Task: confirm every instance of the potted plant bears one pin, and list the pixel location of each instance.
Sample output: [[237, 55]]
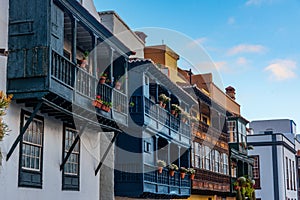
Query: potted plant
[[98, 102], [175, 110], [106, 106], [103, 78], [172, 168], [160, 165], [163, 100], [84, 61], [183, 171], [191, 172], [131, 104]]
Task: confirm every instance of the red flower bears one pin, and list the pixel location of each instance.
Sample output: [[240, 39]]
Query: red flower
[[98, 97]]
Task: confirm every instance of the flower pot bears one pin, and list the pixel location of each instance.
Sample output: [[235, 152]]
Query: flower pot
[[173, 112], [83, 63], [161, 103], [192, 176], [118, 85], [182, 175], [160, 169], [171, 172], [97, 104], [164, 105], [102, 79], [105, 108]]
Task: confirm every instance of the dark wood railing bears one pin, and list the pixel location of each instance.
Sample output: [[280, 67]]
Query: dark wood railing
[[163, 117], [151, 175], [86, 84]]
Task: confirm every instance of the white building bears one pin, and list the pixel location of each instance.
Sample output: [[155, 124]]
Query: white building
[[33, 169], [275, 163]]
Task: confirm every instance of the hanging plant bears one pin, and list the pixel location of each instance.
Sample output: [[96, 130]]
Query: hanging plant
[[4, 103]]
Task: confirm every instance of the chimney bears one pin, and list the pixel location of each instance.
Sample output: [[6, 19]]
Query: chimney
[[230, 91], [141, 35]]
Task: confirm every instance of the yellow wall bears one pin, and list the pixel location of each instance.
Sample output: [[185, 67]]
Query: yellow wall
[[203, 197]]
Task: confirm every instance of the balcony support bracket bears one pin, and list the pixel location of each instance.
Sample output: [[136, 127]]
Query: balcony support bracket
[[106, 152], [23, 130]]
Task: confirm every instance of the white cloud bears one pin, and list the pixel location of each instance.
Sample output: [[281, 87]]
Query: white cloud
[[246, 48], [222, 66], [282, 69], [241, 61], [231, 20], [258, 2]]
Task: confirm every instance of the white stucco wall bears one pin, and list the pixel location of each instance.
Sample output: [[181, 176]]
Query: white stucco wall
[[3, 41], [112, 22], [90, 6], [52, 158]]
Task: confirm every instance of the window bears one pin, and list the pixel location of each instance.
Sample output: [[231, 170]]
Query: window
[[287, 173], [233, 170], [217, 161], [197, 154], [256, 171], [193, 154], [31, 152], [205, 119], [225, 163], [71, 168], [232, 131], [207, 155], [147, 147], [291, 175], [212, 160], [294, 176]]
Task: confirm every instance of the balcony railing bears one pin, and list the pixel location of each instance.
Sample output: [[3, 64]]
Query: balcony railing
[[178, 184], [87, 85], [164, 121]]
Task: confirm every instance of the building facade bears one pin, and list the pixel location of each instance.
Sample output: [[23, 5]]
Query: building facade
[[59, 134], [274, 158]]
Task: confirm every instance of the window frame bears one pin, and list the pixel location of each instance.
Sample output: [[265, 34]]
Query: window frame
[[28, 177], [69, 177]]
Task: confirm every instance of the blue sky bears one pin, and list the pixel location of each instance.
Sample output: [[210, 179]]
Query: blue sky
[[255, 45]]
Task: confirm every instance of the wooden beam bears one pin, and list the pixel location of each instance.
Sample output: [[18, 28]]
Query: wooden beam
[[106, 152], [23, 130]]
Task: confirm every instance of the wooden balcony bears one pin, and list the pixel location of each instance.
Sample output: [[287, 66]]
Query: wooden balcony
[[210, 181], [159, 119], [151, 184], [65, 89]]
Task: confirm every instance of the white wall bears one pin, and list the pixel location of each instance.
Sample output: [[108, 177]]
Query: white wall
[[112, 22], [52, 153], [266, 167], [3, 41]]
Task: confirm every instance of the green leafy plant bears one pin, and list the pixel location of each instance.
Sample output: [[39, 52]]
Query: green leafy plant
[[173, 167], [161, 163], [245, 188], [103, 74], [131, 104], [4, 103], [191, 171], [85, 55], [164, 98], [183, 170]]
